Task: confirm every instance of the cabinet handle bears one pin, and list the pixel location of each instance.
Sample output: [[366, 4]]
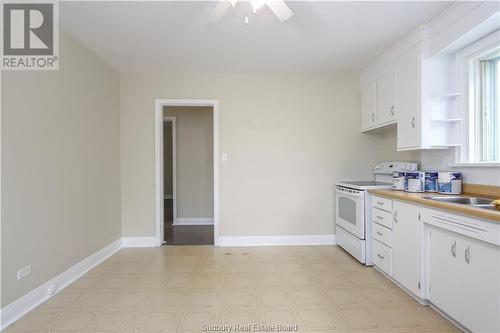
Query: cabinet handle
[[454, 249], [373, 117], [380, 256], [396, 217], [467, 254], [392, 110], [413, 122], [379, 233], [380, 217], [380, 203]]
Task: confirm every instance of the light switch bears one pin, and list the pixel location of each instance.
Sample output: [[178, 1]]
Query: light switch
[[224, 157]]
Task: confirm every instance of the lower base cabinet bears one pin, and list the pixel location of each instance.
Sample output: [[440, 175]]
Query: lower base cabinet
[[405, 245], [464, 276], [444, 271], [481, 286]]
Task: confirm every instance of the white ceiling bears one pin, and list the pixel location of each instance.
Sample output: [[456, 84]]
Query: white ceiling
[[176, 36]]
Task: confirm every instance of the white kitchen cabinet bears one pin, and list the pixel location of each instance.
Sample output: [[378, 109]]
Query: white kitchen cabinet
[[464, 277], [386, 97], [413, 91], [368, 105], [405, 245], [444, 271], [408, 101], [480, 285]]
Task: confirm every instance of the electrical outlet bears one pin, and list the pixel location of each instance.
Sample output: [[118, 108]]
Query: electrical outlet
[[23, 272]]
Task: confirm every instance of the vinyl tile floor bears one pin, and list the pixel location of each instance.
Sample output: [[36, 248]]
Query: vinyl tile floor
[[183, 288]]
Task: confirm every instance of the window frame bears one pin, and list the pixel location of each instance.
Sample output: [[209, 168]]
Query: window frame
[[468, 77]]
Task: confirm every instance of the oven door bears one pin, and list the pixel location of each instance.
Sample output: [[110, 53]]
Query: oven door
[[350, 210]]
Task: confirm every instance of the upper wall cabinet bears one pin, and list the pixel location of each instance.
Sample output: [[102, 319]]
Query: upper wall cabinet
[[368, 104], [413, 83], [408, 100], [378, 101], [407, 92], [386, 97]]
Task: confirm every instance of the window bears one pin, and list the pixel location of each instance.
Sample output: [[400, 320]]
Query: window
[[481, 142], [487, 127]]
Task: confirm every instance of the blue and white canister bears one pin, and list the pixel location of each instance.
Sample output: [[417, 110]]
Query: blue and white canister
[[415, 181], [431, 181], [398, 180], [449, 182]]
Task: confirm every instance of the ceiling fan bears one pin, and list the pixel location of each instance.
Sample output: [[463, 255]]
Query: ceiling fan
[[278, 7]]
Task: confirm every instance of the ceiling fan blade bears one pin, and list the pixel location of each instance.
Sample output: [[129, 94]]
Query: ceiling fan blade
[[219, 11], [280, 9]]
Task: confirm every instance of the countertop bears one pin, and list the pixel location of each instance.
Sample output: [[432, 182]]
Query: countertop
[[419, 198]]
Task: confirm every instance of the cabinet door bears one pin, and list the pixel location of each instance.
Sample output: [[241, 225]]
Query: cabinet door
[[386, 97], [444, 271], [405, 245], [480, 286], [368, 105], [408, 100]]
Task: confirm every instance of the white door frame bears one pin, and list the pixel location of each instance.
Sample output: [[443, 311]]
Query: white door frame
[[174, 169], [159, 104]]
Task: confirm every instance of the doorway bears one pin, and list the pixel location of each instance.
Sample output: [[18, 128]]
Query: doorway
[[187, 172], [188, 175]]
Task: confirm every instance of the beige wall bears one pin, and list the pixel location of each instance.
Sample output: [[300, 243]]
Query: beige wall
[[194, 132], [60, 166], [167, 158], [387, 147], [289, 139]]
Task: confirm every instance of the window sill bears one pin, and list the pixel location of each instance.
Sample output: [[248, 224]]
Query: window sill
[[476, 165]]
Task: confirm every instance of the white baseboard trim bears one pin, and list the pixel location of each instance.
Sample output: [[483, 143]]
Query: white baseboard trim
[[15, 310], [139, 242], [194, 221], [328, 239]]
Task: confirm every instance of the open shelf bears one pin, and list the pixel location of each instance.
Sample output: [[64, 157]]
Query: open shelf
[[445, 146], [447, 95], [450, 120]]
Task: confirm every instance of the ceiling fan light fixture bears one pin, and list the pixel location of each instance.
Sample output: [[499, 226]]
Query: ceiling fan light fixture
[[278, 7]]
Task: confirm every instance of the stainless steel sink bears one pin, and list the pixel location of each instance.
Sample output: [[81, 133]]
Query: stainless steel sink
[[492, 207], [463, 200], [478, 202]]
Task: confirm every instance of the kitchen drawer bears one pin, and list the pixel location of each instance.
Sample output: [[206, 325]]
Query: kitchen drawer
[[382, 217], [471, 227], [382, 257], [382, 234], [382, 203]]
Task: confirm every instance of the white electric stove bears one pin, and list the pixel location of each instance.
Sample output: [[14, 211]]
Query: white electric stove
[[352, 213]]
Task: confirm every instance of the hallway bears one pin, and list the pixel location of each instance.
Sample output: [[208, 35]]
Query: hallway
[[185, 234]]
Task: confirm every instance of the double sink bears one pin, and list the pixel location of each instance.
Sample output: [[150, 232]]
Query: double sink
[[471, 201]]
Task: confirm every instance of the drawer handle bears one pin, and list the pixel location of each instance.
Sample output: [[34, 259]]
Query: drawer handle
[[380, 217], [379, 233], [380, 203], [454, 249], [380, 256]]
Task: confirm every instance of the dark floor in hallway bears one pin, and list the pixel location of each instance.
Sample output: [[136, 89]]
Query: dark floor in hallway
[[185, 234]]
